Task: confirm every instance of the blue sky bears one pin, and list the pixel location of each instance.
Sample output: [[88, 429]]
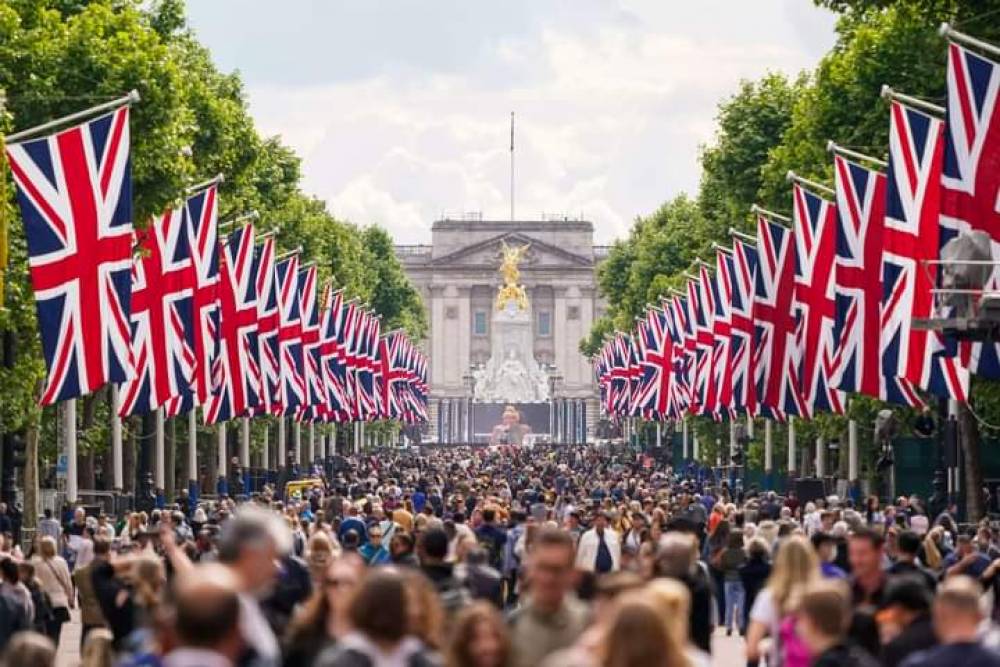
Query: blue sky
[[401, 109]]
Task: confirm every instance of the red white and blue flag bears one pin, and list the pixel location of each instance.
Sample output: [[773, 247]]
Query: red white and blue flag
[[722, 296], [332, 358], [860, 195], [269, 380], [910, 238], [775, 347], [293, 384], [315, 396], [815, 234], [236, 371], [701, 306], [161, 318], [74, 189], [970, 196], [742, 328]]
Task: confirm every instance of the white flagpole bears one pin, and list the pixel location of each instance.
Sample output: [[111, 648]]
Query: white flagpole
[[69, 433], [852, 451], [129, 99], [791, 448], [222, 451], [312, 443], [297, 438], [282, 453], [768, 448], [265, 451], [245, 442], [192, 449], [159, 453], [116, 442]]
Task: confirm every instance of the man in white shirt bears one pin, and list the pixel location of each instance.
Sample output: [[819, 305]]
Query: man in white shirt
[[599, 549]]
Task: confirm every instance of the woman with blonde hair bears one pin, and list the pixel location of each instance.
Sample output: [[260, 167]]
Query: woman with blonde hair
[[53, 577], [639, 635], [320, 553], [932, 556], [673, 600], [795, 566], [479, 638]]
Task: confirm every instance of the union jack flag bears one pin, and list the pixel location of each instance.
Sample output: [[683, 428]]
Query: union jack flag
[[620, 375], [970, 198], [910, 238], [684, 351], [815, 221], [236, 369], [293, 384], [331, 356], [775, 349], [201, 213], [348, 355], [858, 286], [315, 397], [269, 382], [722, 296], [74, 189], [161, 318], [392, 374], [701, 305], [657, 394], [742, 329], [366, 388]]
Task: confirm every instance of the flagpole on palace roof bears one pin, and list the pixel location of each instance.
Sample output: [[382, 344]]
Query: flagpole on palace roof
[[131, 98], [929, 107], [792, 177], [948, 32], [837, 149]]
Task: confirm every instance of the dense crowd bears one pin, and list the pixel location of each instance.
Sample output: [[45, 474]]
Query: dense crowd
[[507, 557]]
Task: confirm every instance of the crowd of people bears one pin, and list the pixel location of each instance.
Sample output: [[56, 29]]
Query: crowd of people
[[507, 557]]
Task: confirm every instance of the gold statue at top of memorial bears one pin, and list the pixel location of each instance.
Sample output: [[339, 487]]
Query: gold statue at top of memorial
[[511, 291]]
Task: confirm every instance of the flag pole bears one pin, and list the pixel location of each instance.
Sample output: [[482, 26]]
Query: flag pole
[[760, 210], [742, 236], [792, 177], [131, 98], [837, 149], [928, 107], [204, 185], [948, 32], [239, 217]]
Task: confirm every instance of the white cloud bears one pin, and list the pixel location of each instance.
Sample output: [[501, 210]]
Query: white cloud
[[609, 116]]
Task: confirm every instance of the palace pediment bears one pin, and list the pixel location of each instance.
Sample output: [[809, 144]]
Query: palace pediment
[[488, 252]]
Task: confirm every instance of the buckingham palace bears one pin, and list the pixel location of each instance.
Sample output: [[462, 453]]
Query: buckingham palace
[[457, 276]]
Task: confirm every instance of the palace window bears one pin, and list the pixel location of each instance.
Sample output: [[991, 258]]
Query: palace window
[[544, 323], [479, 323]]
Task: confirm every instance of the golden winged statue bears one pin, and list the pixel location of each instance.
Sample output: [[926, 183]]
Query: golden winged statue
[[512, 291]]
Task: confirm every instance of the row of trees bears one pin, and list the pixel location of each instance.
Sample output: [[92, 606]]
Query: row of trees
[[59, 56], [775, 124]]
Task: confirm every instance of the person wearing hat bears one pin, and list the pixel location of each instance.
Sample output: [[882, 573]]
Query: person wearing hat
[[600, 549], [906, 607]]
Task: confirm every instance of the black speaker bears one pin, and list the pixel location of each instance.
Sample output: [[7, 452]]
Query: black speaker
[[809, 489]]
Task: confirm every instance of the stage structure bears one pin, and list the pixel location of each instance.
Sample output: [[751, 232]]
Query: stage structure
[[508, 304]]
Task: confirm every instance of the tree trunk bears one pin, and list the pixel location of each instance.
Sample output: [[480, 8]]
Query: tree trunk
[[969, 443], [32, 506]]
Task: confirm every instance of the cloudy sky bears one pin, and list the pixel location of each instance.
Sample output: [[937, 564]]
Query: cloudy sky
[[400, 109]]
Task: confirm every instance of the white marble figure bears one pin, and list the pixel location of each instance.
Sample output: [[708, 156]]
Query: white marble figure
[[511, 375]]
